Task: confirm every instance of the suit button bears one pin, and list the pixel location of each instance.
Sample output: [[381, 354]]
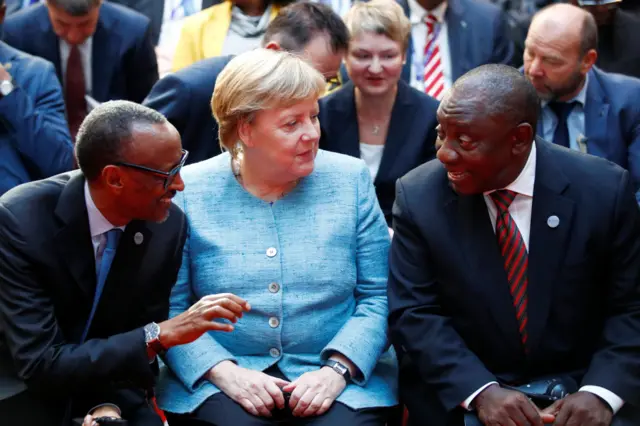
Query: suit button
[[274, 322], [274, 287], [271, 251], [274, 352]]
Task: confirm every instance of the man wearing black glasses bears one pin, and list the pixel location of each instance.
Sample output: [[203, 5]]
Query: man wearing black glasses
[[87, 263]]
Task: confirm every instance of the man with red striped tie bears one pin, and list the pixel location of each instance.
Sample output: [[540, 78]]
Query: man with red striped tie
[[514, 272], [450, 37]]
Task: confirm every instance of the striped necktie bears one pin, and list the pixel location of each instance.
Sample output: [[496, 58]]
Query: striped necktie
[[514, 253], [433, 71]]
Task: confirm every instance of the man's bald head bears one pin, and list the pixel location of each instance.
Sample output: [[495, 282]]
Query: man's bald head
[[559, 21], [560, 50], [496, 91]]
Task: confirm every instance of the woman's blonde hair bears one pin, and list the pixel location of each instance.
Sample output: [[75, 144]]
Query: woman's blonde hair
[[384, 17], [256, 80]]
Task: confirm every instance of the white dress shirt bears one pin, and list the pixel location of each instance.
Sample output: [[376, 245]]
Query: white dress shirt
[[85, 53], [98, 225], [520, 211], [372, 156], [419, 40]]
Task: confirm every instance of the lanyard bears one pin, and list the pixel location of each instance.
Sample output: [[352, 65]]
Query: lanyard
[[420, 65]]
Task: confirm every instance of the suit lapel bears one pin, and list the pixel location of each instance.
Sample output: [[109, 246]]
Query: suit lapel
[[50, 42], [547, 245], [345, 120], [457, 37], [596, 112], [103, 57], [482, 254], [400, 130], [74, 238]]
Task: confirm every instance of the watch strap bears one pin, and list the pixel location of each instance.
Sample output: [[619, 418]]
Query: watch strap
[[339, 368]]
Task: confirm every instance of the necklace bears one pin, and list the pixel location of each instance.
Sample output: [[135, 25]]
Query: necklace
[[375, 130]]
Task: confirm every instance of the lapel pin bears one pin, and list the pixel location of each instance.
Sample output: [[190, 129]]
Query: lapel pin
[[553, 221], [138, 238]]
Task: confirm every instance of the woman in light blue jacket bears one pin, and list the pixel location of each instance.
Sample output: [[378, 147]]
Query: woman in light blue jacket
[[298, 233]]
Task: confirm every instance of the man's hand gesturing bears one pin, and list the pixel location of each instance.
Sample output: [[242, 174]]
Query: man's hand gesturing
[[199, 318]]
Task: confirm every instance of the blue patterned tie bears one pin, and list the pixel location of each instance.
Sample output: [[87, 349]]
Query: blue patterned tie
[[562, 111], [108, 254]]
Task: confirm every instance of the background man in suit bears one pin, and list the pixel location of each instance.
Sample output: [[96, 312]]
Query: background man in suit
[[583, 108], [34, 139], [101, 50], [312, 30], [87, 263], [451, 37], [513, 260], [167, 18], [618, 47]]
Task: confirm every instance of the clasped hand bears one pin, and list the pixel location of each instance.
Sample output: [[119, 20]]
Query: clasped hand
[[312, 394], [502, 407]]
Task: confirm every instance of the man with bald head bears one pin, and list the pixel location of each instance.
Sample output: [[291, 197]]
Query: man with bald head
[[583, 107], [513, 261]]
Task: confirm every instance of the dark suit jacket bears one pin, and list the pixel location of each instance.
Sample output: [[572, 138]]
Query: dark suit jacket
[[47, 285], [184, 98], [410, 139], [124, 64], [618, 46], [612, 120], [34, 137], [478, 35], [154, 10], [451, 314]]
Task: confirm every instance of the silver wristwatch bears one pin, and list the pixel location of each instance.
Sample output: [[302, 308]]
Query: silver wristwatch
[[6, 87]]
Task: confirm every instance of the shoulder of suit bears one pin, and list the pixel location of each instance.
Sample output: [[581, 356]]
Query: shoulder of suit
[[203, 71], [212, 169], [23, 59], [616, 81], [430, 178], [22, 198], [480, 10], [23, 19], [335, 163], [116, 14]]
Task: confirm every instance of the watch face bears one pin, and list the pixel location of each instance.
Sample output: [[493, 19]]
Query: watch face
[[151, 331], [6, 87], [340, 368]]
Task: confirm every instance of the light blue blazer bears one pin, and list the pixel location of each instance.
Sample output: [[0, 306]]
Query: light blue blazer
[[313, 266]]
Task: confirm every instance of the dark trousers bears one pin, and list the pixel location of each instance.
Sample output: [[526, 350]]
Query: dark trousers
[[21, 410], [28, 409], [220, 410]]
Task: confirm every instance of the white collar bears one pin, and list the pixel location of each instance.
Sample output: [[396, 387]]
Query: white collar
[[417, 13], [523, 185], [98, 224]]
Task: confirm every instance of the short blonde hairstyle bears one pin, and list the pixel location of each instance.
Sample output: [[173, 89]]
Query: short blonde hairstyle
[[256, 80], [384, 17]]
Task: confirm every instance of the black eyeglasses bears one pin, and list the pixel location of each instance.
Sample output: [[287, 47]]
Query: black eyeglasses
[[169, 176]]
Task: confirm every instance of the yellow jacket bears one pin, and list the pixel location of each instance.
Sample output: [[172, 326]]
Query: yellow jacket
[[203, 34]]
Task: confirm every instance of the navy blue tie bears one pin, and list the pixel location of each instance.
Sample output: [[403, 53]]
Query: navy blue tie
[[108, 254], [562, 111]]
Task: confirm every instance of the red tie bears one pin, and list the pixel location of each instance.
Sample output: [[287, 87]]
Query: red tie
[[74, 91], [433, 74], [514, 253]]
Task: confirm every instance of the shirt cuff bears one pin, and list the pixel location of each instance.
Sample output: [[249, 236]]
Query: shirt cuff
[[614, 401], [466, 404]]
